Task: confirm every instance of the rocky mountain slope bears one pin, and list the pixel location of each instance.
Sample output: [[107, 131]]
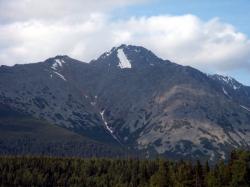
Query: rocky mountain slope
[[22, 134], [131, 98]]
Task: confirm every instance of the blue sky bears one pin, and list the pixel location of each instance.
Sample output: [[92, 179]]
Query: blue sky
[[210, 35], [236, 12]]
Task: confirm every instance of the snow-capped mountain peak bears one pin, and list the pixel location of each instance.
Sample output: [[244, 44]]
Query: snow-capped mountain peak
[[129, 56], [56, 66], [228, 81]]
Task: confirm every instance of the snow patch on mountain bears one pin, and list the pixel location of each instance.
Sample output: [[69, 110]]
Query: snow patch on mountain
[[245, 108], [107, 54], [57, 63], [107, 127], [123, 60], [229, 81], [105, 122], [224, 91], [60, 75], [226, 79]]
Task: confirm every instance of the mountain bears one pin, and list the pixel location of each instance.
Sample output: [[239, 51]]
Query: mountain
[[22, 134], [132, 99]]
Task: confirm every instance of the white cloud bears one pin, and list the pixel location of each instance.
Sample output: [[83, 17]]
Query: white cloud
[[24, 42], [70, 28], [190, 41], [23, 10]]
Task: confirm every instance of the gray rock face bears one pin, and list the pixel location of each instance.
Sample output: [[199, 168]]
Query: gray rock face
[[132, 98]]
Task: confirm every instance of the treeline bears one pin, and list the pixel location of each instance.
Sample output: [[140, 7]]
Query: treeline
[[45, 171], [84, 149]]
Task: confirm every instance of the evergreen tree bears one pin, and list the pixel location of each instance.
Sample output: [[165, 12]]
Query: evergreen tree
[[198, 174], [160, 178]]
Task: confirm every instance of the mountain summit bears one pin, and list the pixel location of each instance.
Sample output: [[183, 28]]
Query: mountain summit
[[131, 99], [128, 56]]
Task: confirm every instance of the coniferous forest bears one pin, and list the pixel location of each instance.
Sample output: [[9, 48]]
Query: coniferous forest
[[48, 171]]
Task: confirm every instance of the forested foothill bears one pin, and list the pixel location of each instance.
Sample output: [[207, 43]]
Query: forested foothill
[[97, 172]]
